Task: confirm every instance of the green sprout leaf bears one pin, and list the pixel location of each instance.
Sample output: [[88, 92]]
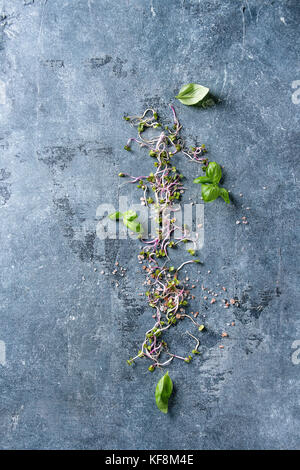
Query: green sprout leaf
[[210, 192], [202, 179], [133, 225], [192, 94], [210, 187], [129, 220], [130, 215], [115, 216], [224, 194], [214, 172], [163, 392]]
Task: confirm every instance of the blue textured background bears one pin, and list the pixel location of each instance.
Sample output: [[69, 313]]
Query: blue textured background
[[69, 71]]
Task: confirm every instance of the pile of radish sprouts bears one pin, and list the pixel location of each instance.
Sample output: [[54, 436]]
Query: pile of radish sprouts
[[162, 189]]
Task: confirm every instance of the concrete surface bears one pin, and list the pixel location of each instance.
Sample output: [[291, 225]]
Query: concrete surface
[[69, 71]]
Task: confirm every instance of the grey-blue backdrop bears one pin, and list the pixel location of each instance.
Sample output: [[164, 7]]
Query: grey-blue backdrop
[[69, 71]]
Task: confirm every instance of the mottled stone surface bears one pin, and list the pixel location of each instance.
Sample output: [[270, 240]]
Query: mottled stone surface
[[69, 71]]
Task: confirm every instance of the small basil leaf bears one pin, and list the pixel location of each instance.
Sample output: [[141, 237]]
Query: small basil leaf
[[162, 405], [115, 216], [130, 215], [133, 225], [192, 94], [210, 192], [163, 392], [184, 90], [214, 172], [202, 179], [224, 194]]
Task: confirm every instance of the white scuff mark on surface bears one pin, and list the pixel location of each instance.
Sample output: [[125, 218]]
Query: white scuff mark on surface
[[258, 12], [283, 20], [90, 3], [152, 11], [244, 29], [225, 78], [11, 32], [2, 92], [38, 72], [15, 418], [41, 22], [2, 353], [249, 9]]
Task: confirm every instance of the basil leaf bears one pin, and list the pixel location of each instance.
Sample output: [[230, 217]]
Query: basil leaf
[[192, 94], [163, 392], [214, 172], [210, 192], [133, 225], [115, 216], [184, 90], [224, 194], [130, 215], [202, 179]]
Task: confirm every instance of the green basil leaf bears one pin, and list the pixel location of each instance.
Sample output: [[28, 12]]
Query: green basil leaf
[[163, 392], [192, 94], [210, 192], [214, 172], [202, 179], [115, 216], [133, 225], [130, 215], [224, 194], [184, 90]]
